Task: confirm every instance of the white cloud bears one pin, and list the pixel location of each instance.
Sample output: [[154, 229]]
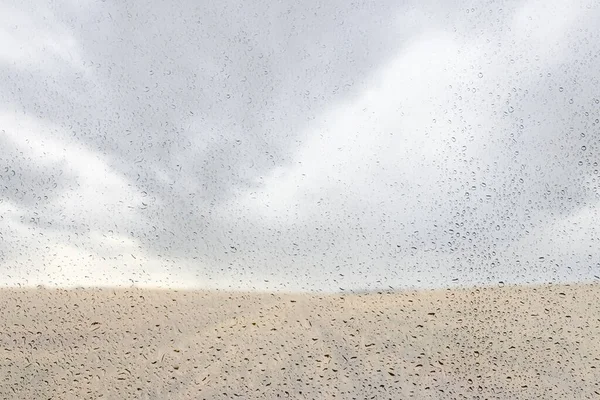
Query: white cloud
[[453, 156]]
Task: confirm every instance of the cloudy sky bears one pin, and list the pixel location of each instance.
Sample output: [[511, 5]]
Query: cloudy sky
[[299, 146]]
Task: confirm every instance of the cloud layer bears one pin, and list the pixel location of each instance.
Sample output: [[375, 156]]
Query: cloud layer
[[321, 146]]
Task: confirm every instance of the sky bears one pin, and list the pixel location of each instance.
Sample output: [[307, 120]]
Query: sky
[[312, 146]]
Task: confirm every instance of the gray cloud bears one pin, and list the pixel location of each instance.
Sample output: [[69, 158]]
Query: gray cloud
[[323, 146]]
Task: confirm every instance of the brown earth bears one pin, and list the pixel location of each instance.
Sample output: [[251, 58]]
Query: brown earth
[[481, 343]]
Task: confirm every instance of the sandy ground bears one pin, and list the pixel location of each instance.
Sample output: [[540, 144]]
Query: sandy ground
[[487, 343]]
